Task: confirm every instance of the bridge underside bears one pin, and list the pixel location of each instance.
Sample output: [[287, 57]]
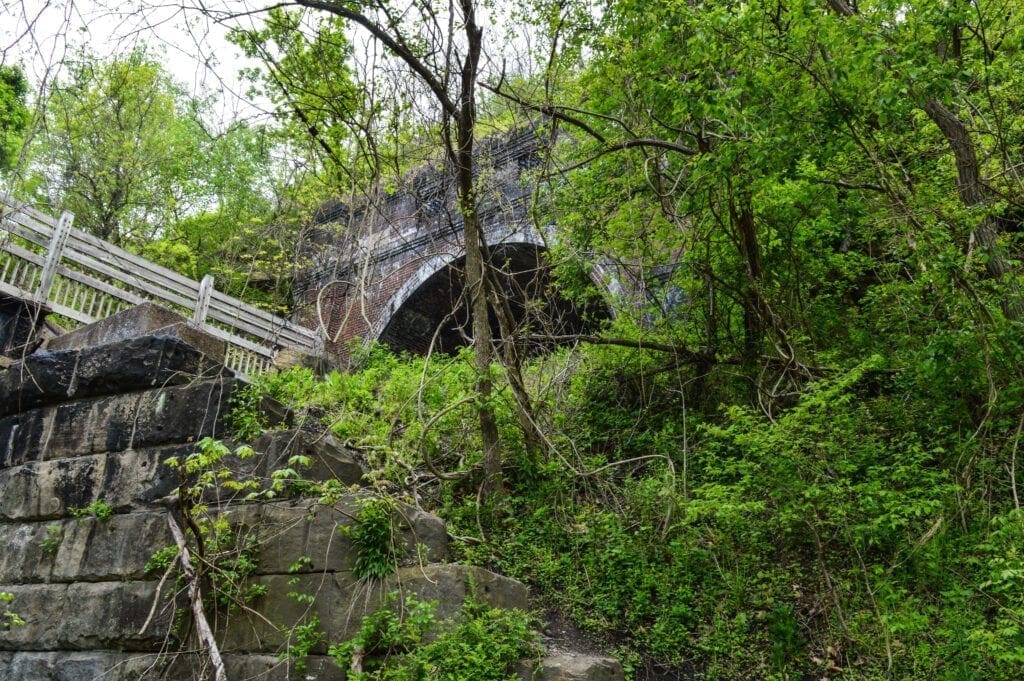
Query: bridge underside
[[437, 313]]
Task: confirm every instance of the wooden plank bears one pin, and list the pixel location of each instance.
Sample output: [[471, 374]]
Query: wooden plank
[[25, 254], [14, 291], [234, 306], [54, 253], [203, 299], [223, 314], [149, 292], [70, 313], [14, 204], [230, 309], [83, 278], [240, 342], [140, 279], [264, 335], [89, 244], [18, 226]]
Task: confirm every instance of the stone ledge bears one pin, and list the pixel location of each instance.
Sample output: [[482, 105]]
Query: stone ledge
[[145, 319], [90, 550], [341, 601], [126, 481], [88, 616], [54, 377], [103, 665], [572, 667], [150, 418], [329, 460]]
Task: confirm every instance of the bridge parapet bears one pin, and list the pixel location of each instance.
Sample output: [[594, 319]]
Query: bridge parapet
[[82, 278]]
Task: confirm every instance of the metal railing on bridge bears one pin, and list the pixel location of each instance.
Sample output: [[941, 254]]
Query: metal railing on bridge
[[83, 278]]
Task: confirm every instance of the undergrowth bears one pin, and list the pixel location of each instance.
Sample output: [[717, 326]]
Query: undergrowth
[[842, 535], [484, 644]]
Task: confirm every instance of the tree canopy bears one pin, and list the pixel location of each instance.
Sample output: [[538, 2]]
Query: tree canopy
[[14, 114]]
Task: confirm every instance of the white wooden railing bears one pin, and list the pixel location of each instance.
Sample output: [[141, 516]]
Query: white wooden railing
[[85, 279]]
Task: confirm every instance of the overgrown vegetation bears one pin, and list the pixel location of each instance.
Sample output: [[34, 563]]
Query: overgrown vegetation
[[837, 534], [99, 509], [484, 645], [373, 536], [794, 452]]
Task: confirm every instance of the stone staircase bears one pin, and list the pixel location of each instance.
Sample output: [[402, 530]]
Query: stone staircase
[[93, 419]]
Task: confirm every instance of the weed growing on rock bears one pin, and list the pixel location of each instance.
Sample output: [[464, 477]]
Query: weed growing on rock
[[98, 509], [374, 538], [51, 542], [9, 619]]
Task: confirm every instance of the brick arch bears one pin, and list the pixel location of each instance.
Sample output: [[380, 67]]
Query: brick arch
[[437, 263]]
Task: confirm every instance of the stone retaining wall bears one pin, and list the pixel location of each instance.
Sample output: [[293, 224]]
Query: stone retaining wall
[[95, 425]]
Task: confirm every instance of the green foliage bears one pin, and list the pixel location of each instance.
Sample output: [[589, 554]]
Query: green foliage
[[9, 619], [120, 146], [483, 645], [306, 73], [233, 557], [245, 417], [14, 114], [162, 559], [98, 509], [301, 640], [206, 469], [51, 542], [374, 537], [383, 409]]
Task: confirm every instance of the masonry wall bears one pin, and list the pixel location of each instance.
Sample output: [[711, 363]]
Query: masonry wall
[[96, 424], [361, 257]]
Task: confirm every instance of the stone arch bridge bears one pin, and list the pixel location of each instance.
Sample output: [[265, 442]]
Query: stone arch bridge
[[390, 269]]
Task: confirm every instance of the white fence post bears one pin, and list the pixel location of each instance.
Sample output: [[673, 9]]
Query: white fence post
[[58, 240], [203, 300]]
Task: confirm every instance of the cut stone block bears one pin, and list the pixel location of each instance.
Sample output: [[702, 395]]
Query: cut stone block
[[53, 377], [340, 601], [81, 549], [126, 481], [329, 460], [145, 319], [87, 616], [287, 531], [168, 415], [81, 666], [452, 584], [103, 665]]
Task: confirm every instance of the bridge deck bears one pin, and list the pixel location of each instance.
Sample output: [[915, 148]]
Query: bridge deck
[[84, 279]]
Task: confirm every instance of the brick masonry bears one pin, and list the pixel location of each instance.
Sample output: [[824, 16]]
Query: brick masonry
[[390, 270]]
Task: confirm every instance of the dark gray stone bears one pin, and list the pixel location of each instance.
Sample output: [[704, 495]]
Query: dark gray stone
[[135, 364], [126, 481], [137, 321], [81, 666], [328, 459], [151, 418], [452, 584], [287, 531], [88, 616], [83, 549]]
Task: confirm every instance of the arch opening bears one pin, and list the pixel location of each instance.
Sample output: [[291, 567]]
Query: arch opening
[[437, 310]]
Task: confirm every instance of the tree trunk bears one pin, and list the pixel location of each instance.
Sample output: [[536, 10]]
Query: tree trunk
[[972, 193], [475, 244]]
